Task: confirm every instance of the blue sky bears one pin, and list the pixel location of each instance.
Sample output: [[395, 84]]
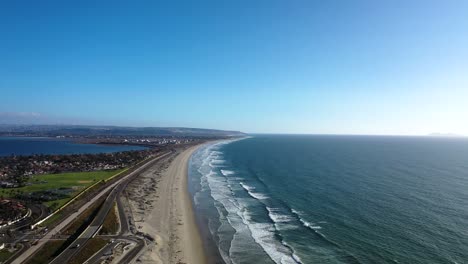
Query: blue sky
[[346, 67]]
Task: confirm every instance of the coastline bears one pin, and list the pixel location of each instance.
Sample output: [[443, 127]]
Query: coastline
[[162, 208], [192, 240], [202, 216]]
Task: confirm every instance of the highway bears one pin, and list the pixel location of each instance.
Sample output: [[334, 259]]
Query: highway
[[113, 189], [96, 258], [125, 235], [90, 231], [98, 220]]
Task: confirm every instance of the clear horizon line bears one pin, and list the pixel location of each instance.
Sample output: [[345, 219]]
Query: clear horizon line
[[434, 134], [363, 134]]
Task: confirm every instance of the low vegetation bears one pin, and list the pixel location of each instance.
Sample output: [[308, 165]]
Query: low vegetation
[[53, 248], [48, 252], [80, 223], [89, 249], [5, 254], [111, 223]]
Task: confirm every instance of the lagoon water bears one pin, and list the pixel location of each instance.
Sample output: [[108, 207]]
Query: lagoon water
[[35, 145], [334, 199]]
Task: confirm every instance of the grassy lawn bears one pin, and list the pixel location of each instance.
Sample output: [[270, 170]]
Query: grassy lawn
[[74, 180], [53, 219]]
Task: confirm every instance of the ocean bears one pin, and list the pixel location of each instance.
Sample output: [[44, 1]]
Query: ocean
[[333, 199], [35, 145]]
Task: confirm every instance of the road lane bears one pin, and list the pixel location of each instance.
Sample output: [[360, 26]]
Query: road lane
[[56, 230]]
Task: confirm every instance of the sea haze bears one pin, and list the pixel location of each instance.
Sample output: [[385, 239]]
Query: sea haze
[[334, 199], [35, 145]]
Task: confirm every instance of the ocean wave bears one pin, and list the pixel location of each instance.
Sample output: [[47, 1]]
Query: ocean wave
[[293, 254], [305, 223], [240, 234], [339, 251], [310, 225], [238, 218], [277, 217], [196, 198], [233, 212], [264, 235], [255, 195], [222, 195], [217, 163], [227, 172], [296, 258]]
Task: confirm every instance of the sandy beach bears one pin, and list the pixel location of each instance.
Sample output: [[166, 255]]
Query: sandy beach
[[162, 209]]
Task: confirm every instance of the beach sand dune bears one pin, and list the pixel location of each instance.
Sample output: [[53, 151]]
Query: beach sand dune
[[162, 209]]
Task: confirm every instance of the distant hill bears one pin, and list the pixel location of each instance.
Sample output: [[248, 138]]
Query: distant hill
[[80, 130]]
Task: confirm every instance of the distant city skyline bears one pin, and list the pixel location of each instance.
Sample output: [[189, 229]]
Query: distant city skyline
[[305, 67]]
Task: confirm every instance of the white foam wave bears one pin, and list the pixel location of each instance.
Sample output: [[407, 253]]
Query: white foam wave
[[310, 225], [247, 187], [227, 172], [196, 198], [297, 258], [255, 195], [217, 162], [280, 220], [277, 217], [306, 223], [263, 234], [294, 255], [234, 211]]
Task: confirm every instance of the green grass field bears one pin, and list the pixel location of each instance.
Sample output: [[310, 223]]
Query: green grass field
[[75, 180]]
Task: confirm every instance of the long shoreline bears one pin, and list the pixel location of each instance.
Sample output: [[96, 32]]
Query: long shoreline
[[163, 209], [193, 241]]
